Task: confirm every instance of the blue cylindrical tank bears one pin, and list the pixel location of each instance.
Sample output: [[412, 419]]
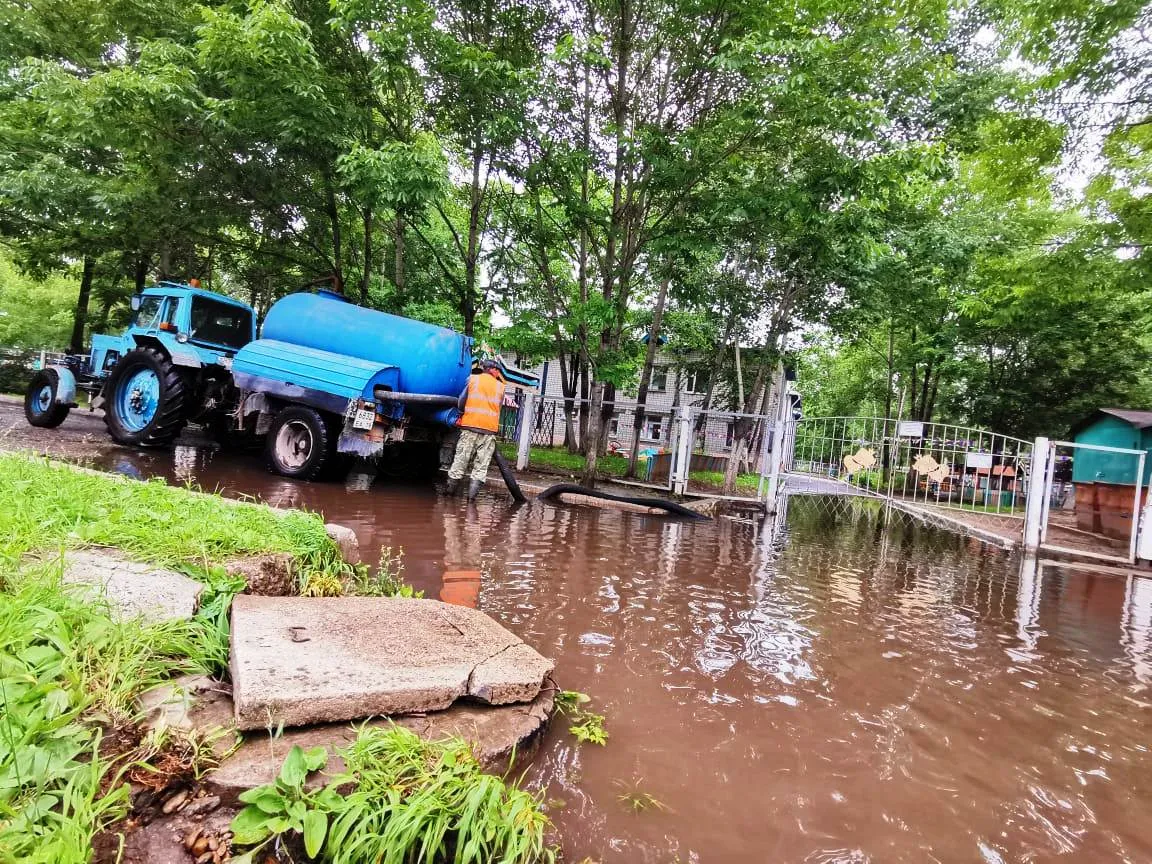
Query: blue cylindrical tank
[[431, 359]]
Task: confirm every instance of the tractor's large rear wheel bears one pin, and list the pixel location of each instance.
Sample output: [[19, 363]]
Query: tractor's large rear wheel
[[145, 400]]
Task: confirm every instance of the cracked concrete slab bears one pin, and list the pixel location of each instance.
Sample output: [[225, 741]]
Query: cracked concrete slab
[[502, 738], [306, 660], [133, 589]]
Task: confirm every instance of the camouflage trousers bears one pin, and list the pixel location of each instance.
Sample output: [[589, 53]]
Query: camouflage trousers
[[474, 447]]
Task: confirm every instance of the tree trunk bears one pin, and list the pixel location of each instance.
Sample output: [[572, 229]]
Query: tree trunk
[[585, 395], [366, 276], [757, 444], [922, 411], [472, 255], [714, 372], [885, 446], [568, 374], [80, 316], [646, 374], [741, 427], [618, 245], [337, 241], [140, 274], [606, 412], [931, 407], [592, 433], [398, 275]]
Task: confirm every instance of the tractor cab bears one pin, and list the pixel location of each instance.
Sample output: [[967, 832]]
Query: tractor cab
[[192, 326], [170, 366]]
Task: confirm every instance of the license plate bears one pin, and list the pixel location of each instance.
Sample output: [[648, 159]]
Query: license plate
[[364, 419]]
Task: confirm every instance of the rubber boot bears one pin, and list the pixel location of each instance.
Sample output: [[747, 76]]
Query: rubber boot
[[453, 485], [474, 489]]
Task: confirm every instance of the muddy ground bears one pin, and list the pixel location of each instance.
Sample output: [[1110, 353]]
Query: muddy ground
[[82, 436]]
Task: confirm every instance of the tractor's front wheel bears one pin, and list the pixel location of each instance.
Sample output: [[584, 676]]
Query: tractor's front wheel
[[299, 444], [40, 406], [145, 400]]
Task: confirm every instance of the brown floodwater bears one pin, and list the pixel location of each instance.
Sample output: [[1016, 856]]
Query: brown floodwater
[[828, 686]]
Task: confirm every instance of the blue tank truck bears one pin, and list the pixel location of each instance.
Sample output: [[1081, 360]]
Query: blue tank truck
[[326, 377]]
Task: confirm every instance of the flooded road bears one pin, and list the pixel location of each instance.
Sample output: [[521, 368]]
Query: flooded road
[[828, 688]]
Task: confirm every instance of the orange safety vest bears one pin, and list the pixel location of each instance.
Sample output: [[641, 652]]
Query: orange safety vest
[[482, 404]]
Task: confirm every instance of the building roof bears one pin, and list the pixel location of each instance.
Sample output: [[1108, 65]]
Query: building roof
[[1139, 419]]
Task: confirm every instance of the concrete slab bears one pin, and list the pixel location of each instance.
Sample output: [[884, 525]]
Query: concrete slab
[[502, 737], [133, 589], [306, 660]]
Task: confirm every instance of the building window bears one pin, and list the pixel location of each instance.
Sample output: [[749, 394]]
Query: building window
[[659, 379], [729, 435], [613, 427], [697, 381], [653, 430]]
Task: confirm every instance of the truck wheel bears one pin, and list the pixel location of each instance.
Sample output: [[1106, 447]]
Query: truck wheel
[[40, 406], [299, 444], [145, 400]]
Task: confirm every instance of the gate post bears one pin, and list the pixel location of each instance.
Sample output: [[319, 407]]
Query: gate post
[[777, 455], [524, 439], [682, 456], [1037, 490]]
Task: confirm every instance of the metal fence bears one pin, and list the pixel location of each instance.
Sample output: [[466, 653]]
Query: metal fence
[[983, 484], [675, 448]]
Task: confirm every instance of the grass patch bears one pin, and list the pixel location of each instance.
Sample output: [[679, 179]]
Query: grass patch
[[48, 505], [744, 482], [559, 460], [400, 799]]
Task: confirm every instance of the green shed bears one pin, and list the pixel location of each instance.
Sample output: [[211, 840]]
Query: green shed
[[1104, 481]]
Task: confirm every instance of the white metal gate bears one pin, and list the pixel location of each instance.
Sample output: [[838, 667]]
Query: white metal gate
[[1101, 519], [971, 479]]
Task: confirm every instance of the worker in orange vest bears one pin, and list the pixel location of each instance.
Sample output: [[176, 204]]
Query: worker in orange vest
[[479, 421]]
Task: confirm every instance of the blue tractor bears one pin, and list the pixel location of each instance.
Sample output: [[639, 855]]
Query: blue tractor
[[171, 366]]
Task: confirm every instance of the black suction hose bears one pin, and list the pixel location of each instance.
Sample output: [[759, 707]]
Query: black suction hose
[[509, 478], [573, 489]]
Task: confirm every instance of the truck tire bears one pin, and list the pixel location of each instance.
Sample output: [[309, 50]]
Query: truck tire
[[299, 443], [145, 400], [40, 407]]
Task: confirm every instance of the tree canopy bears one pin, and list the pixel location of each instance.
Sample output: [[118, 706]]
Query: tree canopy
[[875, 193]]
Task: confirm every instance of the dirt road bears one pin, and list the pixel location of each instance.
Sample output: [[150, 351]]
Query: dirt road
[[81, 436]]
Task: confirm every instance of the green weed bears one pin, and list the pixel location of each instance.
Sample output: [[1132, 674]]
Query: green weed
[[558, 459], [748, 482], [403, 799], [585, 726], [52, 505], [361, 581], [636, 800], [286, 806], [387, 579]]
